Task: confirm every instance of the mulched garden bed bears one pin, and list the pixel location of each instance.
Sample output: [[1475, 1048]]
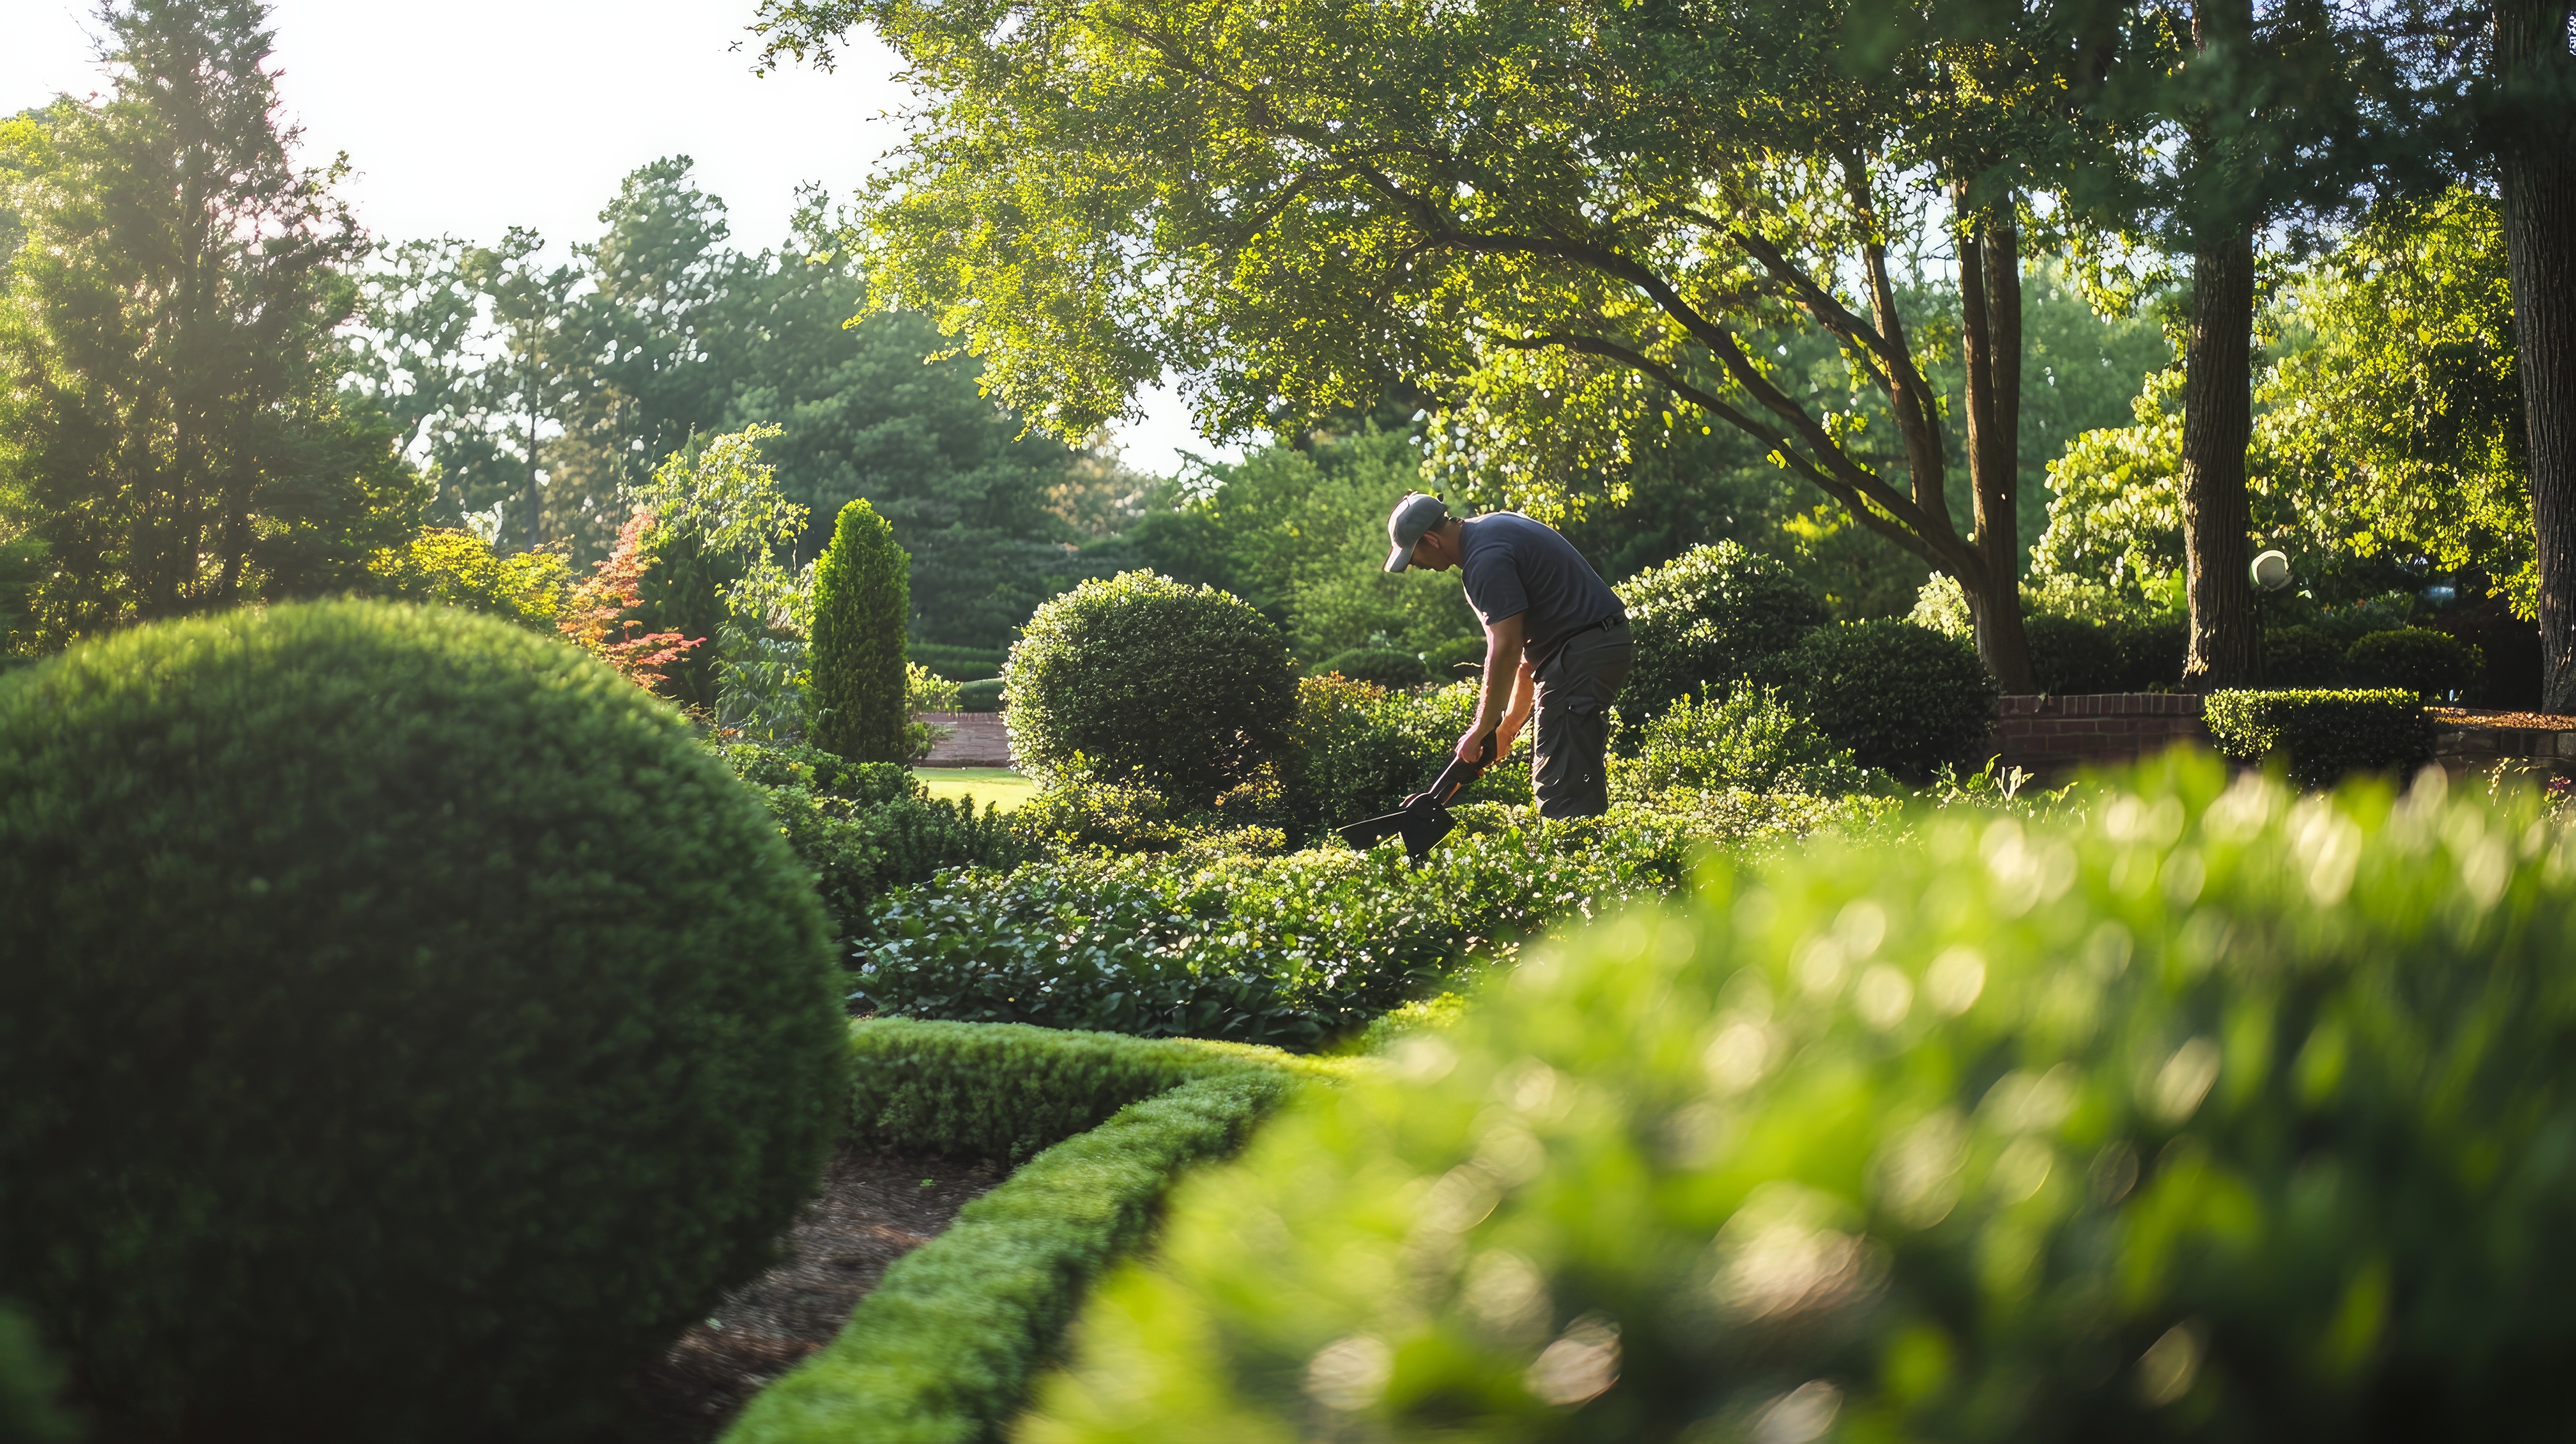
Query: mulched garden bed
[[875, 1208]]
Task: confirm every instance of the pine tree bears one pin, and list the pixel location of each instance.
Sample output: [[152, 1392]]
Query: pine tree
[[862, 600], [174, 435]]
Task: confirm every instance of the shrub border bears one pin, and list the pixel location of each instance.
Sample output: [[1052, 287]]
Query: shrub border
[[947, 1344]]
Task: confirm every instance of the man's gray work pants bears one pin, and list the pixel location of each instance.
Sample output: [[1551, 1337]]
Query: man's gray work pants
[[1575, 688]]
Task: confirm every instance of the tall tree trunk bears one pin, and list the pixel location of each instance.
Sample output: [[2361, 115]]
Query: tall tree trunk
[[1990, 345], [2217, 394], [2537, 165], [2217, 422]]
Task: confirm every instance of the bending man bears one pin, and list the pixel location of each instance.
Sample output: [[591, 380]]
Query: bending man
[[1556, 638]]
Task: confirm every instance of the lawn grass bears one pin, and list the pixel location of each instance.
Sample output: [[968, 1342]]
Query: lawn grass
[[996, 785]]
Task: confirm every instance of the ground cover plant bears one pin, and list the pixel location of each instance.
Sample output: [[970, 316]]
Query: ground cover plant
[[2215, 1112], [945, 1346], [402, 1020]]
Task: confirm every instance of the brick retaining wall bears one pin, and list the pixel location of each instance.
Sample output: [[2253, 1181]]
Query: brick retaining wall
[[975, 739], [2052, 736]]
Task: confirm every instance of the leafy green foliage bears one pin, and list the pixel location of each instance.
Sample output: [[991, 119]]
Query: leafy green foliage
[[1706, 618], [2071, 656], [2211, 1113], [171, 428], [1289, 950], [1744, 741], [1349, 756], [2301, 656], [731, 520], [403, 1019], [945, 1345], [863, 829], [982, 696], [30, 1386], [1902, 698], [861, 602], [2432, 665], [1185, 689], [1380, 666], [2324, 736], [958, 664], [441, 566]]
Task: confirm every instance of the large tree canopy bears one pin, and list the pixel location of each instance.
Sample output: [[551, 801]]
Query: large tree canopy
[[1562, 222]]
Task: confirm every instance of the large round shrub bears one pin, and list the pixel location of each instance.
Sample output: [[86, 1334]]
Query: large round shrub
[[2432, 665], [2301, 656], [1901, 697], [2216, 1115], [1187, 688], [404, 1024], [1705, 618]]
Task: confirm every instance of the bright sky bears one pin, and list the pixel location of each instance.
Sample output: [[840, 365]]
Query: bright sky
[[472, 116]]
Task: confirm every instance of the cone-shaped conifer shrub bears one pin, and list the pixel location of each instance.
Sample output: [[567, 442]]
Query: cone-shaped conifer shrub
[[862, 601], [404, 1025]]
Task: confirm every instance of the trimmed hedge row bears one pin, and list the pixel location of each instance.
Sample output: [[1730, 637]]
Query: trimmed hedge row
[[946, 1345], [2212, 1113], [1292, 950], [2323, 736]]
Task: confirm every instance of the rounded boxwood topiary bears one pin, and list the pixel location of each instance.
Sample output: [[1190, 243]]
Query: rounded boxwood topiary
[[1188, 689], [1704, 619], [1903, 698], [2209, 1114], [2301, 656], [1379, 666], [405, 1026], [2432, 665]]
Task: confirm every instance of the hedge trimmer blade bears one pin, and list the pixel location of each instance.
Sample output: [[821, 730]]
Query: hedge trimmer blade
[[1424, 819]]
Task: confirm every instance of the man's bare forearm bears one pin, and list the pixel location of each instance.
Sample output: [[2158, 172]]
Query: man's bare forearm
[[1504, 678]]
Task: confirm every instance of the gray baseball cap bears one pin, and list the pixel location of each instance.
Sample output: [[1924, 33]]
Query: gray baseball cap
[[1419, 512]]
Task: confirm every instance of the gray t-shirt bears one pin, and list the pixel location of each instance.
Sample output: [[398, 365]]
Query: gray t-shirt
[[1515, 566]]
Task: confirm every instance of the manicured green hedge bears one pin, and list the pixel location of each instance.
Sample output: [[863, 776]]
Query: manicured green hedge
[[1292, 950], [1901, 697], [31, 1386], [945, 1346], [862, 829], [2211, 1113], [1384, 666], [983, 696], [1704, 619], [402, 1019], [2323, 735], [2432, 665]]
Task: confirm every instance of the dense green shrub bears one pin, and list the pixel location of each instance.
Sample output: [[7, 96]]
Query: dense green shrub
[[683, 591], [31, 1386], [1707, 617], [2215, 1114], [2323, 736], [401, 1019], [1347, 759], [1432, 721], [1458, 657], [944, 1347], [2071, 657], [2149, 653], [1186, 688], [1901, 697], [445, 567], [1078, 811], [1744, 742], [2432, 665], [1385, 667], [983, 696], [861, 828], [2301, 656], [862, 603], [1288, 950]]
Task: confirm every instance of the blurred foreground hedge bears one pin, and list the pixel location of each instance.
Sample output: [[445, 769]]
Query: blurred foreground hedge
[[2219, 1114]]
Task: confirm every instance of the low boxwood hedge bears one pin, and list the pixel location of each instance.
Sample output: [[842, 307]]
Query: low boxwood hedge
[[944, 1348], [2209, 1113], [2323, 736]]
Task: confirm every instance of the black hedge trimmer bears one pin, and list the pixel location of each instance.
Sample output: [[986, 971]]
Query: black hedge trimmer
[[1424, 819]]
